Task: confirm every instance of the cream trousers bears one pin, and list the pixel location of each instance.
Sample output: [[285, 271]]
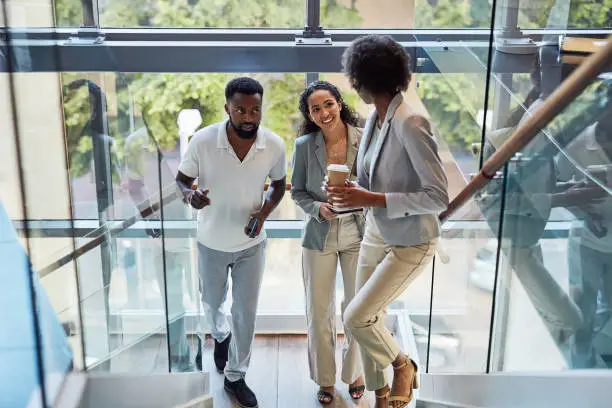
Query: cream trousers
[[383, 273], [319, 272]]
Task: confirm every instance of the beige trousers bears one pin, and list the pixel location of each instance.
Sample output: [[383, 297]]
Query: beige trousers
[[383, 273], [319, 271]]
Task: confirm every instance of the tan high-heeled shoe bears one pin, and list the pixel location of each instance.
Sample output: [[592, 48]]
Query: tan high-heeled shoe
[[405, 400], [383, 396]]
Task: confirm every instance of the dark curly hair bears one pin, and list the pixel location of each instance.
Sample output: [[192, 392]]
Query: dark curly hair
[[347, 114], [378, 64]]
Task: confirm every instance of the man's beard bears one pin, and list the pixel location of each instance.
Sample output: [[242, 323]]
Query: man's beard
[[245, 134]]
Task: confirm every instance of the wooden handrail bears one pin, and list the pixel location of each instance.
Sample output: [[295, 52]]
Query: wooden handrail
[[552, 106]]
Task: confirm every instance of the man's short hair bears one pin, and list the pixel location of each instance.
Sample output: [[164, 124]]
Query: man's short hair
[[243, 85]]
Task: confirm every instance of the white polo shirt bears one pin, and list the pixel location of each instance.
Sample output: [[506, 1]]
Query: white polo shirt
[[236, 188]]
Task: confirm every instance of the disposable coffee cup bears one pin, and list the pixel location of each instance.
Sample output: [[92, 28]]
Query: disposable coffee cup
[[337, 174]]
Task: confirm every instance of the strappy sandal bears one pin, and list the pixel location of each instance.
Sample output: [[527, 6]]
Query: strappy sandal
[[325, 397], [359, 390], [415, 384], [383, 396]]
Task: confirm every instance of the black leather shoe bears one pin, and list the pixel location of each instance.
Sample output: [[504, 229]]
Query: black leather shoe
[[243, 396], [221, 353]]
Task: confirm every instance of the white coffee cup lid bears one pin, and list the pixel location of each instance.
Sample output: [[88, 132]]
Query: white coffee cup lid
[[338, 167]]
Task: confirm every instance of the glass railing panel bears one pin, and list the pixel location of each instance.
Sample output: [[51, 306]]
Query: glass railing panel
[[462, 295], [540, 317], [140, 354], [516, 82], [115, 172], [61, 289], [117, 310], [555, 263]]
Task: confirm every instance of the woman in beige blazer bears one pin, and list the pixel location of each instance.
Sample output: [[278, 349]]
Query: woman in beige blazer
[[329, 135]]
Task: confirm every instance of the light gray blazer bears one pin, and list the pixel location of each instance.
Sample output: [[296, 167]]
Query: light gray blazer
[[309, 170], [406, 167]]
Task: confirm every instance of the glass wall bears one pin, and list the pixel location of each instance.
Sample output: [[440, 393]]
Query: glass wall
[[554, 229], [101, 117], [551, 309], [35, 352]]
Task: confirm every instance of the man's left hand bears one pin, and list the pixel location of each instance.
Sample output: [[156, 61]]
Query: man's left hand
[[259, 215]]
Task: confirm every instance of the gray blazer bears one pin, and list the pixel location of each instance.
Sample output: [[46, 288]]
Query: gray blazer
[[406, 167], [309, 170]]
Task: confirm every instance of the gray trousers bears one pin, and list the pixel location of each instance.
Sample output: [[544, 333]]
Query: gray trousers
[[246, 268]]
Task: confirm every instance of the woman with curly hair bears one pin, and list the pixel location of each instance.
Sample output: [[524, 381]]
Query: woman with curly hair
[[402, 182], [329, 135]]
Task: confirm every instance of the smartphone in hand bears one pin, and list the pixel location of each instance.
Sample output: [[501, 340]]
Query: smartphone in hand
[[252, 227]]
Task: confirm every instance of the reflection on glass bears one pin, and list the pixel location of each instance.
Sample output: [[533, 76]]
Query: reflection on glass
[[463, 294], [455, 103], [168, 254], [589, 199], [558, 179]]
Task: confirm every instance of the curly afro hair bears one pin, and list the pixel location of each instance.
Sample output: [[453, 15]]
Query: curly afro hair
[[347, 114], [378, 64]]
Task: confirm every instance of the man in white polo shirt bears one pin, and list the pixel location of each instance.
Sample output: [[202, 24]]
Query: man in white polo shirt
[[232, 161]]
